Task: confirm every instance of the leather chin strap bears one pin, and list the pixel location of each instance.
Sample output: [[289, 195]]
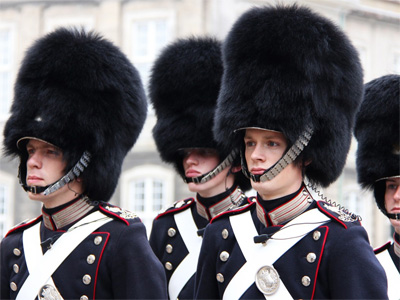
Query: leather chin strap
[[393, 216], [71, 175], [218, 169], [285, 160], [390, 216]]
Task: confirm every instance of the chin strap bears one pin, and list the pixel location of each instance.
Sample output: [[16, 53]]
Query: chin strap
[[390, 216], [285, 160], [210, 175], [71, 175], [393, 216]]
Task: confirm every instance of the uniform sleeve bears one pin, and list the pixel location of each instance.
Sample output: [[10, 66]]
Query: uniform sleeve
[[354, 271], [5, 280], [137, 273], [206, 285]]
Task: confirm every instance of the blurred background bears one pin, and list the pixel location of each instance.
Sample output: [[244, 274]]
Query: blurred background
[[141, 28]]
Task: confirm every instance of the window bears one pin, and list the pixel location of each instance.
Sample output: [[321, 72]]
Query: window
[[145, 190], [355, 201], [6, 64], [147, 34], [147, 195], [144, 36], [6, 209], [396, 63]]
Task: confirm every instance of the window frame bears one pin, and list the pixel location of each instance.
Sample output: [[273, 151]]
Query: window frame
[[8, 68], [147, 173], [7, 219]]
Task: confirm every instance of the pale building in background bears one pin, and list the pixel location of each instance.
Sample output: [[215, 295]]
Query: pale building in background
[[142, 28]]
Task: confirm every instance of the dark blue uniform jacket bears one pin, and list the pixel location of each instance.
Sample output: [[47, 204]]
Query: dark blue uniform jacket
[[160, 238], [124, 265], [344, 267]]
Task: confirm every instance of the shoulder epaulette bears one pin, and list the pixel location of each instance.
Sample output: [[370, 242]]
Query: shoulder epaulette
[[337, 213], [177, 206], [24, 225], [118, 212], [382, 248], [233, 211]]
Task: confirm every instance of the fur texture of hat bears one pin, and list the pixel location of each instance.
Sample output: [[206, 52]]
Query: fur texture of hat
[[184, 86], [377, 131], [287, 67], [78, 91]]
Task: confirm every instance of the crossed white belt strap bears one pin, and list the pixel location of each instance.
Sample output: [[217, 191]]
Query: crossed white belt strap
[[40, 266], [258, 255], [31, 240], [392, 275], [185, 270]]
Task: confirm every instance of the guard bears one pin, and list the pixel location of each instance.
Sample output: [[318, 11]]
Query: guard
[[79, 106], [184, 87], [378, 163], [291, 86]]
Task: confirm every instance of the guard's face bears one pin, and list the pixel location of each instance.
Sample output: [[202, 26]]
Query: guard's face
[[392, 200], [45, 163], [263, 148], [198, 161]]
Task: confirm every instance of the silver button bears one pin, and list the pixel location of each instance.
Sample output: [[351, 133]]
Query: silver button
[[311, 257], [86, 279], [306, 281], [16, 268], [97, 240], [171, 232], [220, 277], [91, 259], [84, 297], [225, 234], [13, 286], [168, 266], [224, 256], [169, 248], [17, 252], [316, 235]]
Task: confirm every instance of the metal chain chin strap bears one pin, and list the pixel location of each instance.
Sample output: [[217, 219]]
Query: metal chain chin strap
[[71, 175], [286, 159], [218, 169]]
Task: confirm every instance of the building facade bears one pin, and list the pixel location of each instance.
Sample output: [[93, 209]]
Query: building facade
[[141, 28]]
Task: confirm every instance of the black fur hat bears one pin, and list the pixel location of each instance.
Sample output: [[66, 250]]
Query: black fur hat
[[287, 67], [79, 92], [184, 86], [377, 132]]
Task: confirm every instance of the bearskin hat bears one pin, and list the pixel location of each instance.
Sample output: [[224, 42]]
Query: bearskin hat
[[79, 92], [377, 132], [184, 85], [287, 68]]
